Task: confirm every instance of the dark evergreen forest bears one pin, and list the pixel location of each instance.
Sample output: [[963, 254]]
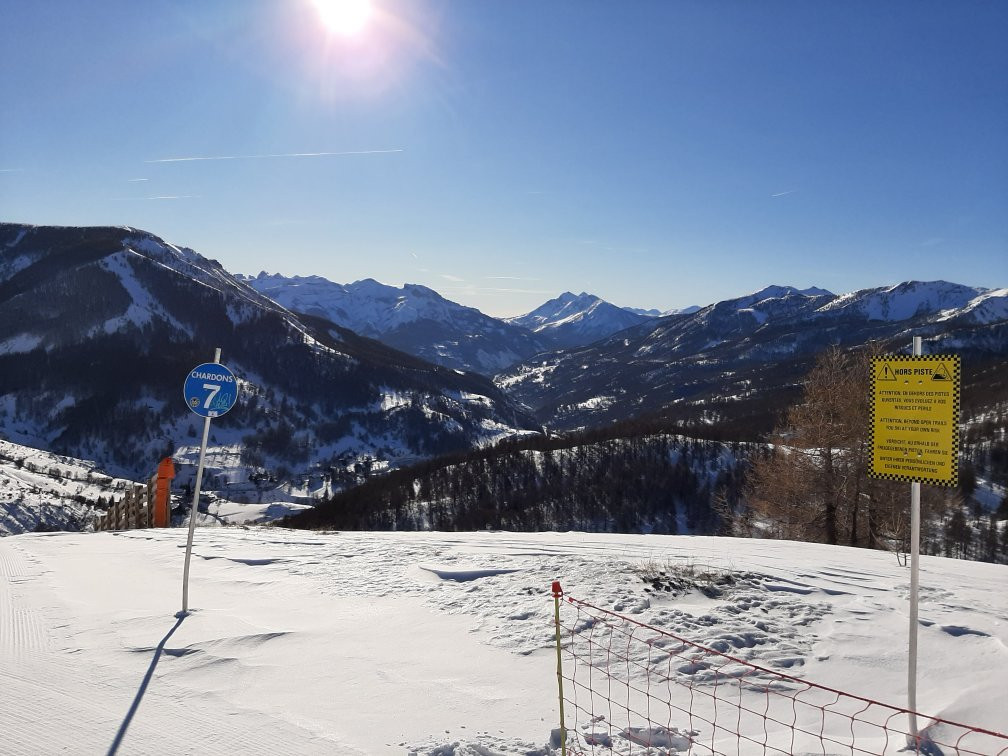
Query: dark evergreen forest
[[662, 483]]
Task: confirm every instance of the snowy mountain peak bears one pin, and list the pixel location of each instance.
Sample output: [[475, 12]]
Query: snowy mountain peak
[[413, 318], [903, 301], [682, 311], [422, 291], [775, 291], [561, 307], [577, 319], [125, 276], [770, 302], [815, 291], [368, 307], [651, 313]]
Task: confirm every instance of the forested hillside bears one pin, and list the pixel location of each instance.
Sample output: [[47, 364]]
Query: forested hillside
[[809, 483], [662, 483]]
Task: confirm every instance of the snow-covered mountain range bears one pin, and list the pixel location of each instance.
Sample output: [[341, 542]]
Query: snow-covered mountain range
[[412, 318], [98, 327], [423, 323], [935, 301], [740, 349]]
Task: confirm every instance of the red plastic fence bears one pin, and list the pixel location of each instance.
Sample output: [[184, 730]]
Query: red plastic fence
[[630, 688]]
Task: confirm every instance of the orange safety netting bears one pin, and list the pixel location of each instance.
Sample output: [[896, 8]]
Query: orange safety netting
[[631, 688]]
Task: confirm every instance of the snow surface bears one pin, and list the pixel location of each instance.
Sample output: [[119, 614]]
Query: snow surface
[[23, 342], [12, 265], [143, 305], [225, 512], [434, 643], [17, 239]]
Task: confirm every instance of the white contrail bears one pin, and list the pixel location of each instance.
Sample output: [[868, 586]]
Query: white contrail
[[782, 194], [159, 197], [262, 157]]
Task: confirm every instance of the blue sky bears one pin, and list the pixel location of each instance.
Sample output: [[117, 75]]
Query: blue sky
[[656, 153]]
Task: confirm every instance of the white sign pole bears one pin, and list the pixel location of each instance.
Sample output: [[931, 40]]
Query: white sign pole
[[914, 587], [195, 506]]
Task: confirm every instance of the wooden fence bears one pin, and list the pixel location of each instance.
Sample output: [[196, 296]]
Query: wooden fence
[[143, 506], [134, 510]]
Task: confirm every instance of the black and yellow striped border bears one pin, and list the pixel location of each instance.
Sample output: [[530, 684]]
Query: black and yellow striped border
[[956, 410]]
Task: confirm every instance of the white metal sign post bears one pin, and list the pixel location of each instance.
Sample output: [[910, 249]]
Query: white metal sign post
[[210, 390], [914, 587], [915, 437]]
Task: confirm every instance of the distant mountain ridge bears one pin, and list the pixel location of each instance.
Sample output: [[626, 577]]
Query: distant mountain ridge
[[906, 300], [723, 356], [412, 318], [418, 320], [99, 325], [572, 320], [421, 322]]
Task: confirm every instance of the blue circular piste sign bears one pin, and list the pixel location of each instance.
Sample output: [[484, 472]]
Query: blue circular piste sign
[[210, 389]]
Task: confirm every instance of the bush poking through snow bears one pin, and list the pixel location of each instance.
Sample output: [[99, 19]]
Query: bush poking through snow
[[679, 578]]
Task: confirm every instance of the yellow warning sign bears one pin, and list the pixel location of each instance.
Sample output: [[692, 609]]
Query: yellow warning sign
[[915, 418]]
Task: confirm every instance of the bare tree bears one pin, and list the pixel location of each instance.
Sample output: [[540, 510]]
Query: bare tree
[[814, 485]]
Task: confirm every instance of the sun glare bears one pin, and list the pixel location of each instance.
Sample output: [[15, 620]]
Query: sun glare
[[346, 17]]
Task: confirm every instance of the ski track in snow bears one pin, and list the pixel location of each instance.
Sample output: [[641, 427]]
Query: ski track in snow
[[24, 633], [829, 615], [43, 666]]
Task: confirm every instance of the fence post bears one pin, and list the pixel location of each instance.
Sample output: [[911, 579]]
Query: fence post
[[141, 502], [151, 488], [557, 593]]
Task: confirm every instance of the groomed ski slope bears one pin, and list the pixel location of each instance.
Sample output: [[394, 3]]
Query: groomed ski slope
[[398, 643]]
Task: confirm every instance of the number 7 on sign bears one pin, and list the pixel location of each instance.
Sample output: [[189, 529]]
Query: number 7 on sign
[[213, 388]]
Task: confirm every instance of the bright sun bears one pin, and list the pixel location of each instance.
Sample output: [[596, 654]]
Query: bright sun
[[346, 17]]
